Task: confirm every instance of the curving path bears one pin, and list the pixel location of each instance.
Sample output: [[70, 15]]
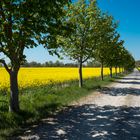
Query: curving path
[[112, 113]]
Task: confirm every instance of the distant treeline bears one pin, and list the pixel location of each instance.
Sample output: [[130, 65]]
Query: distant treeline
[[138, 63], [59, 64]]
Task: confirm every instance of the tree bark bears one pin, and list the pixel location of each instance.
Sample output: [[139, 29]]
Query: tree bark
[[122, 70], [119, 70], [80, 75], [116, 70], [14, 99], [102, 71], [111, 72]]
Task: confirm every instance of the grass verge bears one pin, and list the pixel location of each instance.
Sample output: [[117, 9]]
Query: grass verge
[[39, 102]]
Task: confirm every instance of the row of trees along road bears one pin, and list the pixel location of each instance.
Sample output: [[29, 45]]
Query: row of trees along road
[[79, 30], [94, 35]]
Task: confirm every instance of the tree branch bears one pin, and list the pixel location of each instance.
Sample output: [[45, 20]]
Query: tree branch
[[5, 65], [88, 57], [85, 59]]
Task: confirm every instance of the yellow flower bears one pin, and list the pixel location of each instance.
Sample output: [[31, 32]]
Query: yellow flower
[[40, 76]]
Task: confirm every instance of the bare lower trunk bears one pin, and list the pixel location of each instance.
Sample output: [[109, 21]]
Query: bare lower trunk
[[80, 75], [102, 71], [119, 70], [116, 70], [111, 72], [123, 70], [14, 101]]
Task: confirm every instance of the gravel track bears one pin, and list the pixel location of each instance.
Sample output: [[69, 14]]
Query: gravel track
[[111, 113]]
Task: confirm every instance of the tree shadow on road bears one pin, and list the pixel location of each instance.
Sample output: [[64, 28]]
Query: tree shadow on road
[[128, 82], [90, 122], [128, 78], [120, 91]]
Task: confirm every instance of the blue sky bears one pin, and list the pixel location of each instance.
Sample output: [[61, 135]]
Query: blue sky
[[127, 12]]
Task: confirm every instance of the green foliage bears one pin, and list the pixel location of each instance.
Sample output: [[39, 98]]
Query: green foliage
[[108, 26], [83, 18], [26, 24], [137, 63], [127, 57]]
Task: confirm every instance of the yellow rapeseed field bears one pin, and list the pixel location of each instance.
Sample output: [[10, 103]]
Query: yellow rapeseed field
[[40, 76]]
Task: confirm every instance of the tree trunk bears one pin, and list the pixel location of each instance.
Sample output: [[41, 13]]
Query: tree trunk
[[119, 70], [116, 70], [102, 71], [122, 70], [111, 72], [14, 100], [80, 75]]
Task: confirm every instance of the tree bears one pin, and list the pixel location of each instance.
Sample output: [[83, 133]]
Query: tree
[[137, 63], [128, 61], [81, 43], [108, 26], [25, 24]]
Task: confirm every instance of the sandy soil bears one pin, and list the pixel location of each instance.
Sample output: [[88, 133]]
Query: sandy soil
[[111, 113], [124, 92]]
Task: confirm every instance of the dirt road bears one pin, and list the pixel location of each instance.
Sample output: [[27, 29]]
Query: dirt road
[[112, 113]]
